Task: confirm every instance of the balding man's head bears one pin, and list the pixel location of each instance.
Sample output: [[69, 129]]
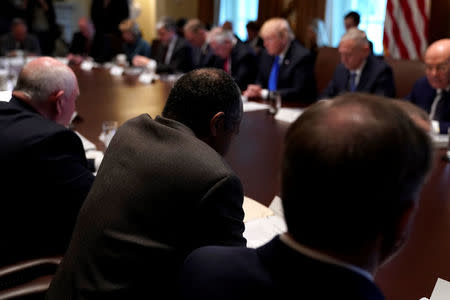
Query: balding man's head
[[50, 87], [354, 48], [437, 64], [352, 167]]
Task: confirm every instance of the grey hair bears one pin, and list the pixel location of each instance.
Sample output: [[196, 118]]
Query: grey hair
[[40, 81], [167, 23], [356, 35], [220, 36]]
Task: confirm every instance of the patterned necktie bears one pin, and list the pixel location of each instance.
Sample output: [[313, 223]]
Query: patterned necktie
[[273, 79], [352, 84]]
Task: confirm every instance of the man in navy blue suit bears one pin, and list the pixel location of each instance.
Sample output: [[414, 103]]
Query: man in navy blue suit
[[285, 66], [432, 92], [360, 161], [359, 71]]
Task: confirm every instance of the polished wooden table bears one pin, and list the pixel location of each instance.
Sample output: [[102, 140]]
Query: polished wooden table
[[255, 155]]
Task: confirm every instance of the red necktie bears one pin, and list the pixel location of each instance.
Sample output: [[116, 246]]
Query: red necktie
[[226, 65]]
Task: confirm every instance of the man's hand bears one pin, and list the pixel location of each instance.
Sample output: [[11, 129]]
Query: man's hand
[[253, 91]]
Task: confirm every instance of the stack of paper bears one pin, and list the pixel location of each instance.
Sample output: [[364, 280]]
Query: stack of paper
[[262, 223], [287, 114]]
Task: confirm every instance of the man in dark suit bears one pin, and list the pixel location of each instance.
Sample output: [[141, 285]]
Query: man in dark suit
[[163, 190], [171, 53], [351, 173], [196, 34], [19, 39], [285, 66], [359, 71], [432, 92], [44, 177], [233, 56]]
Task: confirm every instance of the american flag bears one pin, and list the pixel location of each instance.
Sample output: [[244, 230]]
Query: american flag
[[406, 28]]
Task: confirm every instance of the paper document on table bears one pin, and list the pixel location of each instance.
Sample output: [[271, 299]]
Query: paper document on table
[[87, 144], [276, 206], [5, 96], [262, 230], [254, 210], [441, 290], [440, 140], [253, 106], [288, 115]]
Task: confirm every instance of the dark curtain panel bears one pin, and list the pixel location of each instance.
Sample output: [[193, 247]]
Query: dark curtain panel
[[439, 26], [305, 11], [302, 12], [269, 9]]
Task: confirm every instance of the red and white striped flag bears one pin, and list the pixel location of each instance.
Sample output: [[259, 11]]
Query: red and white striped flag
[[406, 28]]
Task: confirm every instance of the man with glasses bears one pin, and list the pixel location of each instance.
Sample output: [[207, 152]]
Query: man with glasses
[[432, 92]]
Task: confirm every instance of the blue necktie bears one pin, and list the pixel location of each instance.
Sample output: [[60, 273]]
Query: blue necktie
[[274, 74], [352, 81]]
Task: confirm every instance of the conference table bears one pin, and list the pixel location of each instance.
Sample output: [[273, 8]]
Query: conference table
[[255, 155]]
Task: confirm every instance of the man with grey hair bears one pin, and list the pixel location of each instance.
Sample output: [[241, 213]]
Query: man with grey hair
[[45, 176], [359, 71], [196, 34], [285, 66], [233, 56], [171, 53]]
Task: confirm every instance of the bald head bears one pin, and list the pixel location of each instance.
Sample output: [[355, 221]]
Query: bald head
[[437, 64], [49, 86], [372, 160]]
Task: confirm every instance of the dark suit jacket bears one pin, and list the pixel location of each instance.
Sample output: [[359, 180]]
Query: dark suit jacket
[[243, 64], [181, 60], [296, 74], [80, 45], [43, 182], [30, 44], [423, 94], [273, 271], [203, 58], [376, 78], [160, 193]]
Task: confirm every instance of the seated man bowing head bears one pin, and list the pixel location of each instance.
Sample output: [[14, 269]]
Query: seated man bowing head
[[351, 174], [163, 190], [44, 175]]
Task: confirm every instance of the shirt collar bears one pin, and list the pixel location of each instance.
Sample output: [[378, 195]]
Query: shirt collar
[[285, 238], [359, 70], [283, 53]]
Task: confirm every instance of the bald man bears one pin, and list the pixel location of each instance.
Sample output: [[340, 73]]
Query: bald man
[[44, 177], [432, 92]]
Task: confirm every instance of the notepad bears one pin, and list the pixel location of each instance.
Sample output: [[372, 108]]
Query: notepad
[[254, 210], [253, 106], [262, 223], [288, 115], [441, 290]]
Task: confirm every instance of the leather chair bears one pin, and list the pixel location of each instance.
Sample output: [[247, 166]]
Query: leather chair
[[406, 72], [28, 280], [326, 62]]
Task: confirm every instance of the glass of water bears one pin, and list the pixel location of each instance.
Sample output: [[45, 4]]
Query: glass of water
[[109, 128]]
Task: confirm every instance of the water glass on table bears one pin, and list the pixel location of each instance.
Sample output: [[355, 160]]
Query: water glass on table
[[109, 128]]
